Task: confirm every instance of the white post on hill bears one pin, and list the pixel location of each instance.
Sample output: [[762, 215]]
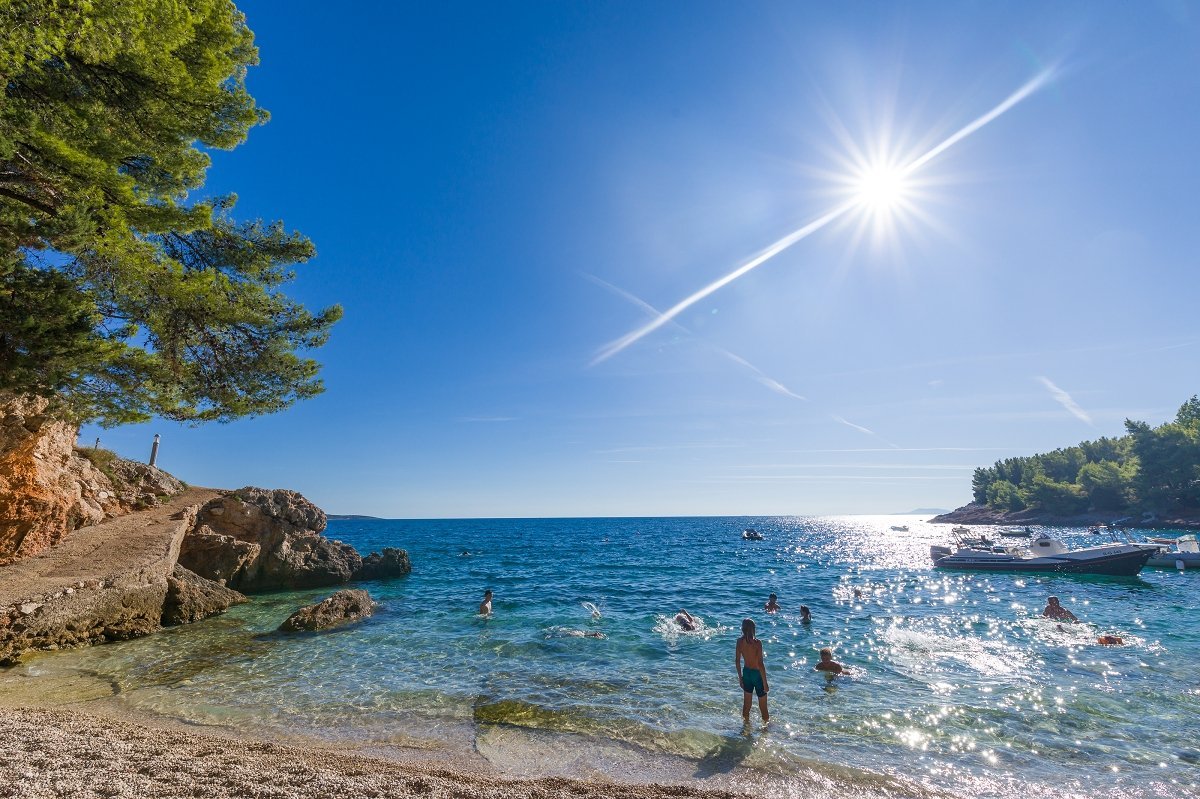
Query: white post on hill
[[154, 450]]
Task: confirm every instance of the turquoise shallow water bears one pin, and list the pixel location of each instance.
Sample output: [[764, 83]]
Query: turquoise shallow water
[[957, 685]]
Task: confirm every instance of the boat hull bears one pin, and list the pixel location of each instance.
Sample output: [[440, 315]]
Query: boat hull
[[1171, 560], [1126, 563]]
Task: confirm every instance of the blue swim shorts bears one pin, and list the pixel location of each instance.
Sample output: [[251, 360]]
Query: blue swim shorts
[[753, 681]]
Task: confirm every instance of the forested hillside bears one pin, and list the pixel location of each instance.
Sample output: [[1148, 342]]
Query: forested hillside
[[1154, 469]]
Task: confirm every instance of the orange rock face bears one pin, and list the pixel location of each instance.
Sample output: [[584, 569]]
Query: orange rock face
[[47, 489]]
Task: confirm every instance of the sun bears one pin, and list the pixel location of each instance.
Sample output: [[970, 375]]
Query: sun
[[881, 189]]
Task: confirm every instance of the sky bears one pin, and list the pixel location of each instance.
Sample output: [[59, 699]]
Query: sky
[[499, 192]]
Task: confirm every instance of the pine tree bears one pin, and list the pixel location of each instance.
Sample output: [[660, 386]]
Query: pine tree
[[122, 296]]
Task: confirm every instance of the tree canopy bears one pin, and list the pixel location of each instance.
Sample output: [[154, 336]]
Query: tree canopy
[[120, 295], [1148, 469]]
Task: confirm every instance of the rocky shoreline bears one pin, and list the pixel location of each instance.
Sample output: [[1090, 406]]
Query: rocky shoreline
[[191, 557], [975, 513]]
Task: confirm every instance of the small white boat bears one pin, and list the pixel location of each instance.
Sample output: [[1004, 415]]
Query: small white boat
[[1046, 555], [900, 528], [750, 534], [960, 530], [1013, 532], [1176, 553]]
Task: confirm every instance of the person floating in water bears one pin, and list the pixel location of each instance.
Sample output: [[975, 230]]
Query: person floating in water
[[485, 607], [1056, 611], [805, 615], [772, 605], [828, 664], [751, 671], [685, 621]]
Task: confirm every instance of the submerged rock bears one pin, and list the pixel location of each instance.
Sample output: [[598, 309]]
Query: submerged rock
[[343, 607], [191, 598]]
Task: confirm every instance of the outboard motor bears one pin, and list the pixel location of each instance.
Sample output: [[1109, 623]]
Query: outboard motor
[[939, 552]]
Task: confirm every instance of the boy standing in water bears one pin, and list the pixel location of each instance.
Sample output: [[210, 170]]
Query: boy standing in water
[[485, 607], [753, 675]]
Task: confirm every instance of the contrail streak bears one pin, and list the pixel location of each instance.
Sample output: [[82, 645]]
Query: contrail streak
[[1064, 399], [681, 306], [759, 375], [812, 227]]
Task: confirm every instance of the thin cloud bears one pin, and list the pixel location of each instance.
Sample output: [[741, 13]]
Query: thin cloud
[[1064, 399], [862, 429]]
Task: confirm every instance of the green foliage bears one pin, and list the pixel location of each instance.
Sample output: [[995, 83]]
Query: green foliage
[[1150, 468], [137, 300]]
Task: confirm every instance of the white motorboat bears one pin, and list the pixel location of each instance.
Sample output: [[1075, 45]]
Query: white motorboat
[[1046, 555], [750, 534], [1013, 532], [900, 528], [1176, 553], [960, 530]]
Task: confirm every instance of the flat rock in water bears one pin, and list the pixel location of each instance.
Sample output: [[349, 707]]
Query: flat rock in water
[[348, 605]]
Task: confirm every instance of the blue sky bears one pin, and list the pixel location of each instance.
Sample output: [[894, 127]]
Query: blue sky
[[493, 189]]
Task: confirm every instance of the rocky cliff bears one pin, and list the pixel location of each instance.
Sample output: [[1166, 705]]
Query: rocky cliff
[[255, 539], [48, 488]]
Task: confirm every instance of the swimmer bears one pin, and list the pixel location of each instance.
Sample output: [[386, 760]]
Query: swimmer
[[464, 554], [827, 663], [805, 615], [858, 593], [595, 611], [485, 607], [772, 605], [752, 677], [1056, 611], [577, 633], [685, 621]]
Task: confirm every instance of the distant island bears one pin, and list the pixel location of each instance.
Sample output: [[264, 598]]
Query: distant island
[[345, 516], [924, 511], [1148, 477]]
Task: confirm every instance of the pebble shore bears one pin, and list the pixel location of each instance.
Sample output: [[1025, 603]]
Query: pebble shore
[[57, 753]]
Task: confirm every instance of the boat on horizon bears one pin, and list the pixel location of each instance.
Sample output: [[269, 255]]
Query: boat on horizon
[[1046, 555], [750, 534]]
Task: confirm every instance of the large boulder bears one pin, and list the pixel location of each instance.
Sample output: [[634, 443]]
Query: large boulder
[[191, 598], [343, 607], [255, 539]]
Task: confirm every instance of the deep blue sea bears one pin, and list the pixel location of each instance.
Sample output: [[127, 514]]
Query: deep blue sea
[[956, 685]]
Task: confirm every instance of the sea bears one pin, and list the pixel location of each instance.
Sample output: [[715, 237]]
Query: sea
[[955, 684]]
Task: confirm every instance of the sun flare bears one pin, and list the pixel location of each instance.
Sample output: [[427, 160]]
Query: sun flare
[[881, 189]]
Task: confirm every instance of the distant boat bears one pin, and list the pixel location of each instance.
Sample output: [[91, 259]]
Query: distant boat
[[750, 534], [1047, 555], [960, 530], [1014, 533], [900, 528]]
